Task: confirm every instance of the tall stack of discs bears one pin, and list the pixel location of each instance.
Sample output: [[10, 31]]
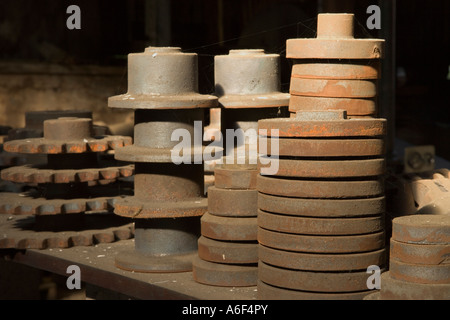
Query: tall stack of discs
[[335, 70], [248, 85], [169, 194], [419, 266], [321, 214]]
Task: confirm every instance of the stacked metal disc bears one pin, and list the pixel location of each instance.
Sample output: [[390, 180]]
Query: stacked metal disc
[[248, 86], [72, 182], [321, 214], [419, 266], [169, 196], [335, 70]]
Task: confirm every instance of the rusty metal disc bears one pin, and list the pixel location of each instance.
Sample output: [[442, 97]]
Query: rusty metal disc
[[326, 147], [337, 70], [321, 262], [333, 88], [320, 226], [269, 292], [290, 128], [419, 273], [224, 275], [229, 228], [326, 168], [393, 289], [313, 281], [321, 244], [135, 153], [20, 232], [228, 252], [353, 106], [133, 207], [429, 254], [235, 178], [322, 207], [23, 204], [422, 229], [257, 101], [48, 146], [232, 203], [319, 188], [29, 174]]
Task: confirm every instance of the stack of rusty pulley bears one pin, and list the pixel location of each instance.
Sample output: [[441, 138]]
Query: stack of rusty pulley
[[321, 215], [73, 182], [248, 85], [419, 266], [169, 196], [335, 70]]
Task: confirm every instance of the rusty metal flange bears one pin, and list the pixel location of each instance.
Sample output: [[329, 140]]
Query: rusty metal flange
[[295, 128], [232, 203], [429, 254], [162, 78], [326, 169], [19, 233], [320, 226], [224, 275], [29, 174], [235, 178], [335, 282], [133, 207], [393, 289], [337, 71], [419, 273], [322, 207], [422, 229], [248, 78], [333, 88], [319, 188], [335, 40], [229, 228], [354, 107], [227, 252], [326, 147], [23, 204], [321, 244], [269, 292], [321, 262]]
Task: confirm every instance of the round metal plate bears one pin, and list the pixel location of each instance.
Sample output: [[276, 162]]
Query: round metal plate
[[229, 228], [319, 189], [418, 273], [224, 275], [326, 148], [291, 127], [335, 282], [422, 229], [321, 262], [339, 71], [268, 292], [319, 226], [227, 252], [328, 208], [326, 168], [393, 289], [264, 100], [429, 254], [321, 244], [235, 178], [232, 203], [353, 106], [333, 88]]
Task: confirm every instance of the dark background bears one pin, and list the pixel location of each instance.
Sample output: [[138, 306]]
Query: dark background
[[34, 31]]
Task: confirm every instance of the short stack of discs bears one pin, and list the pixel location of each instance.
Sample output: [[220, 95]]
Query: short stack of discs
[[335, 70], [228, 247], [419, 267], [321, 215]]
